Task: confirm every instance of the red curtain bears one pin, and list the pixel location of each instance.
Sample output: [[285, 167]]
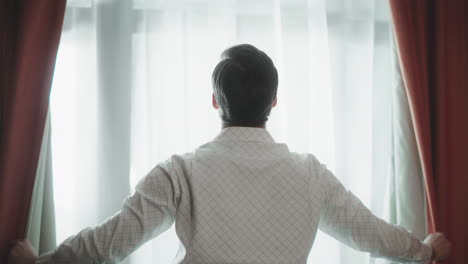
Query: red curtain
[[432, 38], [29, 38]]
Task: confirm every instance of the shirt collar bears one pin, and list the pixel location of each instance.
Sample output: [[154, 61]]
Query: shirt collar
[[244, 134]]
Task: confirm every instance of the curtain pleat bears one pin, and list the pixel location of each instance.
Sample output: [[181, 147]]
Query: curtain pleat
[[410, 20], [407, 205], [41, 221]]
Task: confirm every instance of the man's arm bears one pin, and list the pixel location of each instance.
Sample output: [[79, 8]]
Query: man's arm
[[147, 213], [345, 218]]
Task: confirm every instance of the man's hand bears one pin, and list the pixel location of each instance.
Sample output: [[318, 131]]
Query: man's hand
[[441, 247], [22, 253]]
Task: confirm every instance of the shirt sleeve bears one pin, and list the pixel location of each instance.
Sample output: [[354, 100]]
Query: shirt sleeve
[[144, 215], [345, 218]]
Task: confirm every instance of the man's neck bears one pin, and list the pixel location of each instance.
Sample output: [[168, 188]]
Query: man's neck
[[225, 125]]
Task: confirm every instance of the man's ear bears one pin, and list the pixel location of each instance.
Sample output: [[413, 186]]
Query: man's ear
[[275, 102], [213, 102]]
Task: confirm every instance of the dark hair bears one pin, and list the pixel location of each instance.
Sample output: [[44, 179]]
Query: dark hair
[[245, 82]]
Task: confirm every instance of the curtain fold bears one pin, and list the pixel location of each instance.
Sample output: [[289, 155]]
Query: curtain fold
[[432, 38], [31, 56], [407, 205], [41, 220], [410, 20]]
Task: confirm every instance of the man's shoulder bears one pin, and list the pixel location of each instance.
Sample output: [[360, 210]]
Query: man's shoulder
[[178, 159], [308, 158]]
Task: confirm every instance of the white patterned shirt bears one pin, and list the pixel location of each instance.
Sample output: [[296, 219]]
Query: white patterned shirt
[[241, 198]]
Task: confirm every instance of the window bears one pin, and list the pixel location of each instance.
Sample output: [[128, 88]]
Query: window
[[132, 86]]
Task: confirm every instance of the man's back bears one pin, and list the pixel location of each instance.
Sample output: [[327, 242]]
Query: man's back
[[248, 200]]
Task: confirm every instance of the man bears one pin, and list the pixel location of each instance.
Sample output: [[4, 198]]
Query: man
[[241, 198]]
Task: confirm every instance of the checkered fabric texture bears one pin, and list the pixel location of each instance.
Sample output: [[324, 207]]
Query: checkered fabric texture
[[241, 198]]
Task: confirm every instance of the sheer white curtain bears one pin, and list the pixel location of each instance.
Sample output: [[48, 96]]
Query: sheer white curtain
[[132, 86]]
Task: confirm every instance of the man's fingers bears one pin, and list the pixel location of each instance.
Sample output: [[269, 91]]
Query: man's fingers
[[440, 245], [15, 251], [17, 247]]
